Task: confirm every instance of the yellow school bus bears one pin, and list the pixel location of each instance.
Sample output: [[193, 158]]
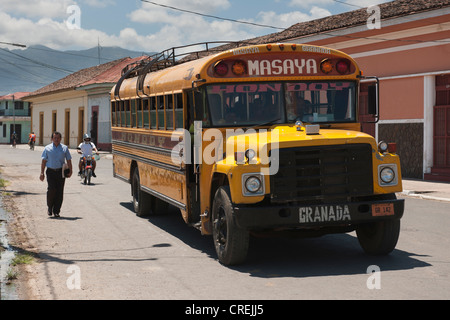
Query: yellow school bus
[[256, 139]]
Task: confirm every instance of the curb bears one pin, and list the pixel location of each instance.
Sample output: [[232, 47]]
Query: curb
[[413, 194]]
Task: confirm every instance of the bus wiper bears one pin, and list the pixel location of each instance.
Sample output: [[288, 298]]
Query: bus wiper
[[265, 123]]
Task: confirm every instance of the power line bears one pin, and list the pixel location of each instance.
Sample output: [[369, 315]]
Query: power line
[[211, 16], [14, 44], [348, 4], [39, 63], [69, 53], [325, 33], [25, 70]]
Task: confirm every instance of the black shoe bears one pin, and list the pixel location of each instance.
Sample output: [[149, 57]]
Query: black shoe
[[93, 174], [49, 213], [56, 215], [79, 173]]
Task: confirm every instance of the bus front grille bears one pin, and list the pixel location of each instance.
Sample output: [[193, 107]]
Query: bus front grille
[[322, 173]]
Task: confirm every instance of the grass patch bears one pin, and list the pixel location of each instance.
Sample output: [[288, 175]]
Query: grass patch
[[22, 258], [3, 183], [11, 274]]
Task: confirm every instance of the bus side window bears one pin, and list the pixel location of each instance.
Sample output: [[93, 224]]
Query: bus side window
[[139, 113], [145, 113], [160, 110], [113, 113], [178, 110], [133, 108], [122, 114], [169, 111], [153, 112], [190, 114], [127, 113]]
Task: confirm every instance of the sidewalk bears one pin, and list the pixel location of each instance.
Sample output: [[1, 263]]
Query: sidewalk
[[421, 189], [103, 154], [429, 190]]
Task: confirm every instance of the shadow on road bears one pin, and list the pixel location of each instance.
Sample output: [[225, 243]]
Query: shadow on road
[[274, 257]]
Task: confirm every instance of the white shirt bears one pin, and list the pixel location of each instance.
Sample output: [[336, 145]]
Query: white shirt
[[86, 148]]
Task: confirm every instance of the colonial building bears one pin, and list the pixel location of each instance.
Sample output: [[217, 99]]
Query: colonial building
[[77, 104], [406, 44], [15, 117]]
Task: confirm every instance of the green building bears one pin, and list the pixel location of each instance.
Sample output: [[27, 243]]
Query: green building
[[15, 116]]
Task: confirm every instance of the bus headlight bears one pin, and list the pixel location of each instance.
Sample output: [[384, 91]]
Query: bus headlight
[[387, 175], [250, 154], [252, 184], [382, 147]]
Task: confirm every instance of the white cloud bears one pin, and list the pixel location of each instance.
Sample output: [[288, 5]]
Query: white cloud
[[307, 3], [183, 28], [173, 28], [37, 9], [99, 3], [365, 3], [203, 6], [286, 20]]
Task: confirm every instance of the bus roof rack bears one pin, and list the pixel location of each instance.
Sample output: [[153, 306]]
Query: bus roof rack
[[168, 58]]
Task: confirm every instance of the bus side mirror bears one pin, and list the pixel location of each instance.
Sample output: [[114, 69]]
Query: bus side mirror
[[372, 100]]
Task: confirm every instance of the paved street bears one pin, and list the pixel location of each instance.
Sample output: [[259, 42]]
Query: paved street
[[99, 249]]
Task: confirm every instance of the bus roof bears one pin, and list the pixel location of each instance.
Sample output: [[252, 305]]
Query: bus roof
[[266, 62]]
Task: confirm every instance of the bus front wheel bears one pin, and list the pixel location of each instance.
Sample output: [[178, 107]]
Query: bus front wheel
[[379, 238], [231, 241]]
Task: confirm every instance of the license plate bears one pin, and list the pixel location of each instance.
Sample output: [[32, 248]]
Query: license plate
[[382, 209]]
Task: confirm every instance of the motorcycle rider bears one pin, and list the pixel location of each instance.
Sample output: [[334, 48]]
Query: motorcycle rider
[[31, 139], [85, 149]]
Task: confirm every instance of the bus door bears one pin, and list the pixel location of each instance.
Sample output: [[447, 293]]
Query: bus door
[[193, 167]]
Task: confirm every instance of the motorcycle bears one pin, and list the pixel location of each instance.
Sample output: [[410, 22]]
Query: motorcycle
[[86, 170], [31, 144]]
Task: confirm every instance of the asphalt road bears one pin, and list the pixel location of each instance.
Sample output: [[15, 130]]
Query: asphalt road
[[99, 249]]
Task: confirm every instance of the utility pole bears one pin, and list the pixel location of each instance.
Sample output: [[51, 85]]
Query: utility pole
[[98, 48], [14, 114]]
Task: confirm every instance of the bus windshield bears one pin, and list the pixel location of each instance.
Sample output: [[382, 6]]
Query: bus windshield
[[246, 104]]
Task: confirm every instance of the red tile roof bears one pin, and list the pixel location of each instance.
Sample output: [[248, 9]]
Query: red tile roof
[[17, 96], [113, 74], [108, 72]]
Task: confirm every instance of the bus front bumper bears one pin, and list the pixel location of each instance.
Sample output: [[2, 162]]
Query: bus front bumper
[[310, 216]]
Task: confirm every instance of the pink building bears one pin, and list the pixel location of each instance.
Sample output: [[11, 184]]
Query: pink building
[[410, 53]]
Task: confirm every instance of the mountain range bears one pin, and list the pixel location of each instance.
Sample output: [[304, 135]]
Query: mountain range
[[26, 70]]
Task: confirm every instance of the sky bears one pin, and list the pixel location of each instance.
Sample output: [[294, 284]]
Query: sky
[[148, 27]]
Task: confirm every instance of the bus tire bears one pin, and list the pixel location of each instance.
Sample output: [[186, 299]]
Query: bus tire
[[230, 241], [378, 238], [141, 200]]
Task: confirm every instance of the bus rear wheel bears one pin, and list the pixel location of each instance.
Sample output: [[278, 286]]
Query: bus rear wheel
[[141, 200], [145, 204], [230, 241]]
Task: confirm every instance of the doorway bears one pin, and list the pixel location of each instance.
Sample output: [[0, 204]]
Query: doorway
[[80, 125], [18, 129], [41, 128], [67, 127], [94, 125]]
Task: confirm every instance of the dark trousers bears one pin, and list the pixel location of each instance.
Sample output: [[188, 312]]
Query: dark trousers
[[55, 190]]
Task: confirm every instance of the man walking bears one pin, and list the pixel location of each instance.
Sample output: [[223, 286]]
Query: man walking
[[54, 157]]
